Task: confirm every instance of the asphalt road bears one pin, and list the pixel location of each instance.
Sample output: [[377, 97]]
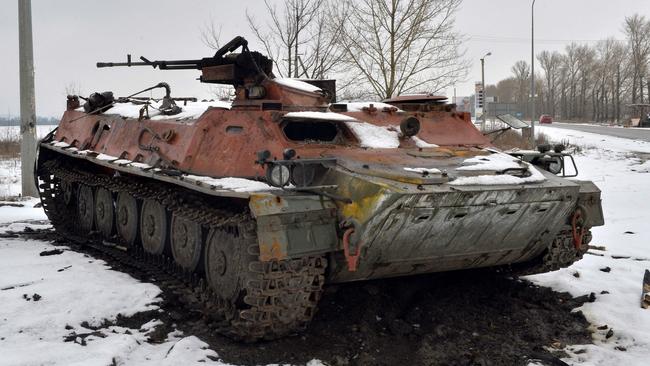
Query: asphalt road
[[628, 133]]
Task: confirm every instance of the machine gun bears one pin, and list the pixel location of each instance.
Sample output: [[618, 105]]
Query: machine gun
[[225, 67]]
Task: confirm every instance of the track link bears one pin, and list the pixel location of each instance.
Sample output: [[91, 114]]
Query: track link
[[278, 298], [560, 254]]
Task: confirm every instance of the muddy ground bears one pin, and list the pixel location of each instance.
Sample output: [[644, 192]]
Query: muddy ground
[[461, 318], [457, 318]]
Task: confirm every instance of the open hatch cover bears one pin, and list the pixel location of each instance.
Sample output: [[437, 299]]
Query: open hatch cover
[[512, 121]]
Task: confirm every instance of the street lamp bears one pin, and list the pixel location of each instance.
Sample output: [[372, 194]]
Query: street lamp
[[532, 74], [483, 89]]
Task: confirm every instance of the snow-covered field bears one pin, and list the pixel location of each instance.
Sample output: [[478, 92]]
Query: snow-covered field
[[13, 132], [619, 168], [10, 168], [77, 293]]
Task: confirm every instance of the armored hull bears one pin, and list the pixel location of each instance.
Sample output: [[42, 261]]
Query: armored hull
[[264, 200]]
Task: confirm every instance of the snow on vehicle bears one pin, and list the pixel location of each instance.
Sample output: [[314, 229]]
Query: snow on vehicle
[[266, 199]]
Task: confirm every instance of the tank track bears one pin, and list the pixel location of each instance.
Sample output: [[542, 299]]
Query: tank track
[[561, 253], [280, 296]]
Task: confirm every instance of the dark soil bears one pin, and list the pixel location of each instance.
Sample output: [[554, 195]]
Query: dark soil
[[455, 318], [460, 318]]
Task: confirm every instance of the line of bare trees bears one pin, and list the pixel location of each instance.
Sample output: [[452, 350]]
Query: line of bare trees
[[374, 48], [586, 82]]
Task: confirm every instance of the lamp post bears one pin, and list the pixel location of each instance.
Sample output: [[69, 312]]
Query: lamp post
[[532, 74], [483, 89]]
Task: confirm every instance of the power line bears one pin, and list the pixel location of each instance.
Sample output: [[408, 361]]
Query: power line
[[502, 39]]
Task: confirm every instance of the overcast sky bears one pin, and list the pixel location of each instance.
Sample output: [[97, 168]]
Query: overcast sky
[[70, 36]]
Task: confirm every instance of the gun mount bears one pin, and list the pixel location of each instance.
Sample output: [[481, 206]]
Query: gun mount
[[251, 74], [225, 67]]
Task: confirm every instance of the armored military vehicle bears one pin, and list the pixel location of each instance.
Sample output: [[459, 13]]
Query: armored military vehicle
[[267, 198]]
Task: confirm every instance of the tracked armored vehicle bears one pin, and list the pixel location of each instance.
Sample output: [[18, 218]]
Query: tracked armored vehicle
[[261, 201]]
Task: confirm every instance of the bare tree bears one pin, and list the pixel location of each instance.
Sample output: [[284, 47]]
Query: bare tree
[[521, 71], [211, 35], [72, 88], [506, 90], [323, 54], [289, 36], [402, 46], [571, 79], [550, 62], [637, 29]]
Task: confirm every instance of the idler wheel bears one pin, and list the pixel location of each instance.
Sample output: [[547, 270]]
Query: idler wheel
[[225, 263], [153, 227], [85, 208], [104, 212], [186, 242], [126, 217]]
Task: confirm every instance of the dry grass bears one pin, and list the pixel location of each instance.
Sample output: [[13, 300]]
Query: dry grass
[[9, 149], [511, 139], [9, 142]]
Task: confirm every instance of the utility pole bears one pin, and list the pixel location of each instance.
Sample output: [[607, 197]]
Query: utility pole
[[483, 90], [532, 74], [27, 99]]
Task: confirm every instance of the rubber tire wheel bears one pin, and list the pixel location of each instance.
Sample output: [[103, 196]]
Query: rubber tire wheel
[[104, 212], [226, 264], [126, 218], [85, 208], [186, 238], [153, 227]]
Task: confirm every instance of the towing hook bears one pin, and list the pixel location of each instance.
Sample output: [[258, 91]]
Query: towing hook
[[351, 255], [578, 229], [351, 244]]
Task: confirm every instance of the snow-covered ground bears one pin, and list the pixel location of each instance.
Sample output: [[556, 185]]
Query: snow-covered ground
[[77, 293], [46, 299], [619, 168]]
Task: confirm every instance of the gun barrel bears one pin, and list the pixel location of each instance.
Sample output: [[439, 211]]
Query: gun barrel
[[163, 65], [115, 64]]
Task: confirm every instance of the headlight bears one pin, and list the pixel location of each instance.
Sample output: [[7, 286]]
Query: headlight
[[277, 175], [555, 165]]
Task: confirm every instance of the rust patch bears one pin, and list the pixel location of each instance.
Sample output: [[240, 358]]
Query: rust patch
[[272, 251]]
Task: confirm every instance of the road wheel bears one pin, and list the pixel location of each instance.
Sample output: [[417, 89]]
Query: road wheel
[[226, 263], [186, 242], [67, 191], [85, 208], [153, 227], [260, 300], [126, 210], [104, 211]]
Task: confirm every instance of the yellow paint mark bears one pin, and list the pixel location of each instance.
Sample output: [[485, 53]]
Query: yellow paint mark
[[365, 198]]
